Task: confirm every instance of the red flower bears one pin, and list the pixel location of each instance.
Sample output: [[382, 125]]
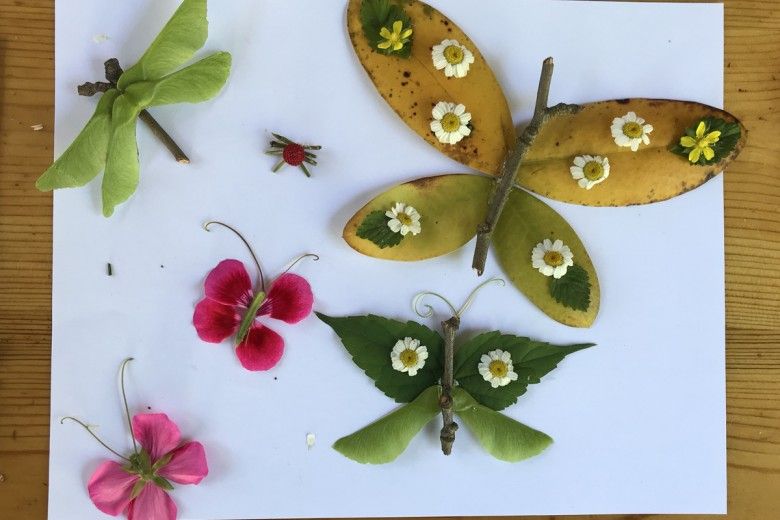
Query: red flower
[[231, 307]]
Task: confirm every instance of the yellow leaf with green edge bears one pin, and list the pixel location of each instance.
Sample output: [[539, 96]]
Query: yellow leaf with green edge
[[450, 206], [651, 174], [122, 167], [525, 222], [412, 86]]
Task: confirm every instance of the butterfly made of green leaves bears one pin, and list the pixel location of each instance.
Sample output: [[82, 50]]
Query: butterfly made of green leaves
[[370, 340], [108, 141], [454, 207]]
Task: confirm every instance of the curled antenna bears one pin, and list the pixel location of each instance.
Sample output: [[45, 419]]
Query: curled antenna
[[246, 243], [425, 310]]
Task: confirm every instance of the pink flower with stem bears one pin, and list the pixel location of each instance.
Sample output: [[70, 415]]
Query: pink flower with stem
[[232, 307], [139, 485]]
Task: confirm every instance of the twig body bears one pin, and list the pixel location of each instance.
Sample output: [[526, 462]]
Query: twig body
[[449, 426]]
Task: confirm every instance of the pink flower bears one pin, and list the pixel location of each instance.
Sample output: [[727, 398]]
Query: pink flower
[[139, 487], [231, 307]]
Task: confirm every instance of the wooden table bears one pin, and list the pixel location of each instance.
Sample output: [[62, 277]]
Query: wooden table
[[752, 253]]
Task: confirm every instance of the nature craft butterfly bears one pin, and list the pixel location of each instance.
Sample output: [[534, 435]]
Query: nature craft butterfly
[[416, 366], [108, 141], [231, 307], [610, 153]]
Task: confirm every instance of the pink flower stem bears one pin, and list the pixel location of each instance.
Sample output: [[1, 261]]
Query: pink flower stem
[[89, 430], [246, 243], [124, 400]]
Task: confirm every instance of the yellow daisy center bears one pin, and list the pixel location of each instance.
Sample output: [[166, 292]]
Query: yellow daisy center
[[453, 54], [593, 170], [450, 122], [498, 368], [632, 129], [553, 258], [404, 219], [408, 357]]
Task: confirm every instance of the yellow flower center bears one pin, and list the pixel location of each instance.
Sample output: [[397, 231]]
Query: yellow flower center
[[553, 258], [498, 368], [408, 357], [453, 54], [632, 129], [450, 122], [593, 170], [404, 219]]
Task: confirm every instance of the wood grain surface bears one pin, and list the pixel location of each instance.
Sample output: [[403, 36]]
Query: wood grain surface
[[752, 254]]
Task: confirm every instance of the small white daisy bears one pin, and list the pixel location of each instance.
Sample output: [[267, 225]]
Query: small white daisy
[[552, 258], [408, 356], [403, 219], [453, 57], [631, 130], [496, 368], [450, 122], [589, 170]]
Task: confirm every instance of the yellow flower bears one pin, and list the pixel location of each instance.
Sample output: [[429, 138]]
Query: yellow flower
[[394, 40], [701, 144]]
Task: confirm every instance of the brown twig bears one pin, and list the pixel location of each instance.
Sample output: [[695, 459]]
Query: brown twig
[[113, 72], [512, 162], [449, 426]]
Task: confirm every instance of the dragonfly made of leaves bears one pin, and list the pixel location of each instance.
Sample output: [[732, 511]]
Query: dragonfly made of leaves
[[108, 141], [451, 209], [450, 381]]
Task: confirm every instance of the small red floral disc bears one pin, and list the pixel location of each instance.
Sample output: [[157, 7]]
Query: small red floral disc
[[292, 153]]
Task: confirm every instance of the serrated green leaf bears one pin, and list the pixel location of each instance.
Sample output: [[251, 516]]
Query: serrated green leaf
[[376, 14], [531, 360], [199, 82], [384, 440], [374, 228], [86, 155], [501, 436], [122, 168], [572, 289], [182, 36], [370, 339]]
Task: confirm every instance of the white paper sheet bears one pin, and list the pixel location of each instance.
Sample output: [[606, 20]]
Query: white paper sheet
[[638, 422]]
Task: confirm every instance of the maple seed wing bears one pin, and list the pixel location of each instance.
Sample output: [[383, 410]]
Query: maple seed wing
[[413, 86], [178, 41], [525, 222], [652, 173], [122, 168], [86, 156], [384, 440], [450, 207]]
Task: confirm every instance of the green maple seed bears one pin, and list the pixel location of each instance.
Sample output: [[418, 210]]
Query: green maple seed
[[108, 141]]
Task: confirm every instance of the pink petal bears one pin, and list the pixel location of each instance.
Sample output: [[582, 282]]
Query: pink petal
[[261, 349], [156, 433], [152, 504], [187, 465], [110, 487], [290, 299], [229, 284], [214, 321]]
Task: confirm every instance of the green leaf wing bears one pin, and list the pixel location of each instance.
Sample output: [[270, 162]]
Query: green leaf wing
[[531, 360], [182, 36], [384, 440], [501, 436], [370, 339], [122, 169], [199, 82], [525, 222], [86, 155]]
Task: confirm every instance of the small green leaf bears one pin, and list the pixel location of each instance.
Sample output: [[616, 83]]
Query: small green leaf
[[501, 436], [163, 483], [370, 339], [730, 134], [182, 36], [199, 82], [378, 14], [86, 155], [531, 360], [384, 440], [122, 169], [572, 289], [374, 228], [137, 488]]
